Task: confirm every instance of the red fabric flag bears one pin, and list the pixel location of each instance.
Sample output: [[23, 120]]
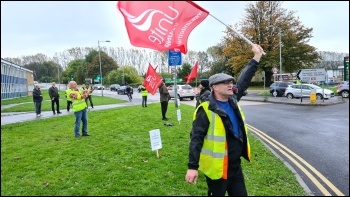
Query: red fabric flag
[[193, 74], [161, 25], [152, 80]]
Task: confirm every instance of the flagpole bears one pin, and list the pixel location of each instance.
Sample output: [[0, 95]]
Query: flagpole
[[240, 35]]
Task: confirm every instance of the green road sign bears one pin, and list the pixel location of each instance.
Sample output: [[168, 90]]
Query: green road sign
[[171, 80]]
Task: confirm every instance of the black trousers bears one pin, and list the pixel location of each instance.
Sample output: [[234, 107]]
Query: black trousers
[[57, 101], [234, 185], [90, 99], [69, 104], [144, 101], [164, 106], [37, 106]]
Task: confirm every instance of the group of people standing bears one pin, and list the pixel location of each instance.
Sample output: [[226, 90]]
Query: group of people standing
[[77, 99], [218, 137]]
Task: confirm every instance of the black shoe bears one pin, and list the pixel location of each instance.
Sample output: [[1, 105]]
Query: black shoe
[[59, 112], [164, 119], [86, 135], [54, 113]]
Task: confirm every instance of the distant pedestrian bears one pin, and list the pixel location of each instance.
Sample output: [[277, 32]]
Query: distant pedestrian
[[128, 91], [204, 93], [144, 94], [69, 100], [37, 99], [55, 98], [164, 99], [90, 90]]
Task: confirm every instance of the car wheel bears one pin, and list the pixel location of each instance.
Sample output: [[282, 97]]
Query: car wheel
[[289, 96], [178, 96], [192, 97], [345, 94], [319, 96]]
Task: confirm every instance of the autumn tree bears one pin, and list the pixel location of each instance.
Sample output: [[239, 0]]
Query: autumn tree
[[262, 23]]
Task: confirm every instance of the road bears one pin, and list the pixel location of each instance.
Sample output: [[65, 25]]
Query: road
[[317, 136]]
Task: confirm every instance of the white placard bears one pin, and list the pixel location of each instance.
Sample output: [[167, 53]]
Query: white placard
[[156, 141], [178, 112]]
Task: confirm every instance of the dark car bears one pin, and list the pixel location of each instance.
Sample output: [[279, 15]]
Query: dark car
[[121, 90], [114, 87], [279, 87]]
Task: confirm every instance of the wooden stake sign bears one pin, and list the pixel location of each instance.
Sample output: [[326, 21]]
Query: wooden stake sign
[[156, 141]]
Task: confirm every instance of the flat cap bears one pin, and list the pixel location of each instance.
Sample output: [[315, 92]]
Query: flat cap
[[219, 78]]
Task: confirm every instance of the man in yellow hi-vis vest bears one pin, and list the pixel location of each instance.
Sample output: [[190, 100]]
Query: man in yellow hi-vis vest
[[144, 94], [219, 134], [79, 108], [69, 100]]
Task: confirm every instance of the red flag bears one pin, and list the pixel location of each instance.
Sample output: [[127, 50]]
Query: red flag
[[193, 74], [161, 25], [152, 80]]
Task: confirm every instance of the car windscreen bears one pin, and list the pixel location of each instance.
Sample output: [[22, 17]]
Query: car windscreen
[[186, 87]]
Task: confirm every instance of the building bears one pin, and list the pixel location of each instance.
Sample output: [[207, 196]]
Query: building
[[16, 81]]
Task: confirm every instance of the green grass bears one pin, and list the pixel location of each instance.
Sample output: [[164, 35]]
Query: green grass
[[42, 157], [46, 104], [25, 99]]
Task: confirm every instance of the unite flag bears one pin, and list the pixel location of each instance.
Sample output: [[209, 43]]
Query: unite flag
[[161, 25], [152, 80], [193, 74]]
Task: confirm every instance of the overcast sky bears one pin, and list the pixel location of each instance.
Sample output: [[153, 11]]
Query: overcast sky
[[30, 27]]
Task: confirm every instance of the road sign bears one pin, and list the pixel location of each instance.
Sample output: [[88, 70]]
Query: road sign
[[173, 71], [310, 75], [174, 58]]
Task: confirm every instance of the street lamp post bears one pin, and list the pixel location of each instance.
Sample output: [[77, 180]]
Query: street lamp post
[[280, 43], [99, 57]]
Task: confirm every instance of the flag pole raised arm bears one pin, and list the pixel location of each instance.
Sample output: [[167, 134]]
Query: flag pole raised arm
[[240, 35]]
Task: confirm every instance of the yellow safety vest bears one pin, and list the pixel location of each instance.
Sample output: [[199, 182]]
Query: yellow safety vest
[[213, 160], [79, 103], [67, 95], [144, 92]]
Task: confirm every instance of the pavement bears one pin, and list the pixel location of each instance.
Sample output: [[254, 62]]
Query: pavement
[[14, 117]]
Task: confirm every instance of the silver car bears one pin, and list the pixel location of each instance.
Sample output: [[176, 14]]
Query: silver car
[[304, 90], [183, 91], [343, 89]]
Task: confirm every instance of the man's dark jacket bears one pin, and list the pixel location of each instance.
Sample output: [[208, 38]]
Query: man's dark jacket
[[36, 95]]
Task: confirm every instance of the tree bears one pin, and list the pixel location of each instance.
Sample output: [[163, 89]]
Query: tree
[[184, 71], [296, 53]]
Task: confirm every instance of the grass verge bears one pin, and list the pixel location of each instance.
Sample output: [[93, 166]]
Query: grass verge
[[42, 157]]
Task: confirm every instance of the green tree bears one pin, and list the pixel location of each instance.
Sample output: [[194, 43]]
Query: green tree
[[260, 16], [93, 64], [184, 71]]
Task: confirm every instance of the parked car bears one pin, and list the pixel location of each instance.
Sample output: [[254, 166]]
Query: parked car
[[114, 87], [183, 91], [304, 90], [343, 89], [98, 87], [121, 90], [280, 87]]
